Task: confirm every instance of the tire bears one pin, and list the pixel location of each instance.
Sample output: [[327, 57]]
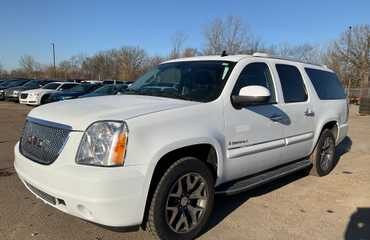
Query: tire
[[323, 156], [43, 99], [170, 206]]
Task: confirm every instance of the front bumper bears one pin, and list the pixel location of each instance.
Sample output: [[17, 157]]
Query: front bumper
[[12, 98], [30, 100], [111, 196]]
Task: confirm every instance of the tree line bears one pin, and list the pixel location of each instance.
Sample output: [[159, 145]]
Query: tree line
[[348, 55]]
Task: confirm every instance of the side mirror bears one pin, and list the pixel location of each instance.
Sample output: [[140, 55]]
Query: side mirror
[[251, 95]]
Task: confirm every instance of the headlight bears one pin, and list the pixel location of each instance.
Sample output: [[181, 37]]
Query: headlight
[[103, 144]]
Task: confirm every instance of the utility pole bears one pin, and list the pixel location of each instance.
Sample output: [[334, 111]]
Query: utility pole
[[55, 70], [348, 62]]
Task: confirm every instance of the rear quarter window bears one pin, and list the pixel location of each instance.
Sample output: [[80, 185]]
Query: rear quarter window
[[326, 84]]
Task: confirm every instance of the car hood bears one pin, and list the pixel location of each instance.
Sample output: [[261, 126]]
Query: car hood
[[19, 88], [80, 113], [3, 88], [40, 90]]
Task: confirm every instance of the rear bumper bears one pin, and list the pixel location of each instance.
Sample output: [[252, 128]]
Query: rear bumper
[[342, 132], [107, 196]]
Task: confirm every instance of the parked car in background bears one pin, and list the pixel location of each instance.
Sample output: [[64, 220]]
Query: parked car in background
[[12, 94], [74, 92], [117, 82], [38, 96], [9, 84], [109, 89]]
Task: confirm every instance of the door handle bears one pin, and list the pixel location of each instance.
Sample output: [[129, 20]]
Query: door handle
[[276, 118], [309, 113]]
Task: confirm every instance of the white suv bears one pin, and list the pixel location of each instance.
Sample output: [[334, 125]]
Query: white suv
[[186, 130], [38, 96]]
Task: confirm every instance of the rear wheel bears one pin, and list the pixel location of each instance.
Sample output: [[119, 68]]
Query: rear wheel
[[323, 156], [183, 200]]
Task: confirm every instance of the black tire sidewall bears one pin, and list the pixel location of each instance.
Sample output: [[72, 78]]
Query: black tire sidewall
[[317, 154], [43, 99], [178, 169]]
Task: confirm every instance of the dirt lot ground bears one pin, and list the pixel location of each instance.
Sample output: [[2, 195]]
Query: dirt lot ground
[[296, 207]]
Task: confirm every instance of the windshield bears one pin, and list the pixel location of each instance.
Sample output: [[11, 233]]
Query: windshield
[[107, 89], [16, 83], [51, 86], [200, 81], [31, 84]]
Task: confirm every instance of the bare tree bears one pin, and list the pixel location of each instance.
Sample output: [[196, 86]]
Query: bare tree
[[2, 72], [130, 62], [304, 52], [231, 35], [100, 66], [177, 40], [151, 62], [351, 53], [190, 52], [29, 65]]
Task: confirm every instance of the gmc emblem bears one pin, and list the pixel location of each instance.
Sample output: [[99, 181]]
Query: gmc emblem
[[35, 141]]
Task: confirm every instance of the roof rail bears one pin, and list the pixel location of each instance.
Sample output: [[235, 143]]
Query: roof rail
[[266, 55]]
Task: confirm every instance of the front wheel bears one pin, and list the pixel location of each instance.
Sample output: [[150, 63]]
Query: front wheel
[[43, 99], [183, 200]]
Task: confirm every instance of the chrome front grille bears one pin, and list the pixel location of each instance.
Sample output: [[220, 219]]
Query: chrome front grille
[[24, 95], [42, 141]]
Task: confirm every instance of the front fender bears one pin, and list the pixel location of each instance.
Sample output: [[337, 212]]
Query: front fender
[[191, 142]]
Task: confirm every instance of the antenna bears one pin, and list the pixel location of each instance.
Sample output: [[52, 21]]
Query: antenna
[[223, 54]]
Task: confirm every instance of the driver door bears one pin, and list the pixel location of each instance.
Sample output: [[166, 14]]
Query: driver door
[[254, 134]]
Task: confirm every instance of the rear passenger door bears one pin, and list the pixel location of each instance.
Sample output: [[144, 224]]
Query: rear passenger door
[[299, 128]]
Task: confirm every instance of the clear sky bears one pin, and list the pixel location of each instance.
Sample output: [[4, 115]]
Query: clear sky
[[88, 26]]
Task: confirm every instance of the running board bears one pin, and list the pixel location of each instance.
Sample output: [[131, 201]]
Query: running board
[[243, 184]]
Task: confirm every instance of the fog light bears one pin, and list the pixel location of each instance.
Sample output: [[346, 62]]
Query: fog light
[[84, 212]]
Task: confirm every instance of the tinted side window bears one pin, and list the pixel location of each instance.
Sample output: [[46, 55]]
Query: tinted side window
[[291, 83], [67, 86], [326, 84], [255, 74]]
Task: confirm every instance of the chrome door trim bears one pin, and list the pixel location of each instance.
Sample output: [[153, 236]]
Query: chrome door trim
[[255, 148], [299, 138]]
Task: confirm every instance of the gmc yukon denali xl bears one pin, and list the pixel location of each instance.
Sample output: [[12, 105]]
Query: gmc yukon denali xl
[[185, 131]]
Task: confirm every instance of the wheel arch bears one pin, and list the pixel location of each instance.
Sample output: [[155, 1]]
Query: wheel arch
[[207, 150], [332, 124]]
